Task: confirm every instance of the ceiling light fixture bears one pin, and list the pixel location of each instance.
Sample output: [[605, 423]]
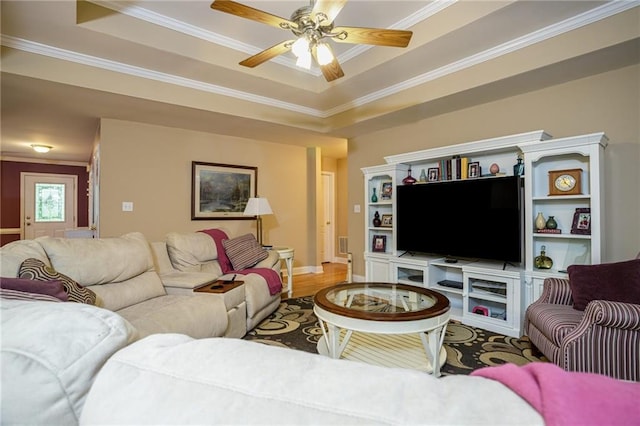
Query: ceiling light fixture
[[42, 149]]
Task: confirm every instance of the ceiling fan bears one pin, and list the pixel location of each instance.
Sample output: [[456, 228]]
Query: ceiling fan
[[311, 24]]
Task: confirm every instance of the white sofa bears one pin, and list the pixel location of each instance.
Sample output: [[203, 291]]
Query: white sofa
[[64, 363], [124, 274]]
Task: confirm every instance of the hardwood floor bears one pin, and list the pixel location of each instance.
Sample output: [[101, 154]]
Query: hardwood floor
[[309, 284]]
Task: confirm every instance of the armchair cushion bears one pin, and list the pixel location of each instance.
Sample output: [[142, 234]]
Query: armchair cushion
[[616, 282]]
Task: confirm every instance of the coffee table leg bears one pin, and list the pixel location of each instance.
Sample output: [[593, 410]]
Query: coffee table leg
[[331, 335], [432, 342]]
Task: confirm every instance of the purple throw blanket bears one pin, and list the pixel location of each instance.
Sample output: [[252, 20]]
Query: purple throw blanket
[[271, 277], [570, 398]]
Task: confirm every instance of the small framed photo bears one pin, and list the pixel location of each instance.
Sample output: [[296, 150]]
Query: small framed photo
[[379, 243], [474, 170], [581, 221], [387, 221], [433, 174], [386, 190]]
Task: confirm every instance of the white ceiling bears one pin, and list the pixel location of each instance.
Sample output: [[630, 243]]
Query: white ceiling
[[66, 64]]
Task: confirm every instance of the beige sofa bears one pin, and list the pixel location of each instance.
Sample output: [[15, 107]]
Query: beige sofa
[[138, 281], [196, 253]]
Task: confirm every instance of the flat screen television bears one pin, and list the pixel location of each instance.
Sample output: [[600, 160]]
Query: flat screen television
[[469, 219]]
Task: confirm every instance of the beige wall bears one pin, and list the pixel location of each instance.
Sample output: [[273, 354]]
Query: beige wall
[[151, 166], [606, 102]]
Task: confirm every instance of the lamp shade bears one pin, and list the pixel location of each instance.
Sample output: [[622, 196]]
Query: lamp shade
[[257, 207]]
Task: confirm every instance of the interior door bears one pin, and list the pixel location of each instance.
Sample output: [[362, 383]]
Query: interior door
[[328, 228], [49, 204]]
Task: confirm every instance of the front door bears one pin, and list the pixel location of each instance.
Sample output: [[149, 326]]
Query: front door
[[49, 204]]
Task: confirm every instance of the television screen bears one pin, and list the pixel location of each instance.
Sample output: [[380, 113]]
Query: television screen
[[469, 219]]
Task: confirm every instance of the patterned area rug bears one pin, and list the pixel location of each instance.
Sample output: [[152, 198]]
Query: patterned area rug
[[295, 326]]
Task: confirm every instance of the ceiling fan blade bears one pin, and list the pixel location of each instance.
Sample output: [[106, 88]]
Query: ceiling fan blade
[[329, 8], [380, 37], [267, 54], [332, 70], [247, 12]]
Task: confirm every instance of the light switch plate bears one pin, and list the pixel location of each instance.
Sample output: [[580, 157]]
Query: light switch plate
[[356, 208], [127, 206]]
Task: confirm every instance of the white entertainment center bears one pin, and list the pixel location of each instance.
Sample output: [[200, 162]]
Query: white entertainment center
[[491, 294]]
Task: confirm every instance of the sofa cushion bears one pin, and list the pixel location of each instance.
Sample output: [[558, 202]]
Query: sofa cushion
[[193, 252], [14, 253], [35, 269], [244, 251], [616, 282], [53, 288], [51, 353], [198, 316], [104, 260], [172, 379]]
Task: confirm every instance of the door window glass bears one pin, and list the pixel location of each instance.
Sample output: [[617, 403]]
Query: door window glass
[[50, 202]]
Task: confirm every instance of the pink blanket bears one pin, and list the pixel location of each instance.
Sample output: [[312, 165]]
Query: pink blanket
[[567, 398], [271, 277]]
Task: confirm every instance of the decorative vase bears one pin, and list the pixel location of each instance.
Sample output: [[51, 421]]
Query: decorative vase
[[543, 261], [541, 223], [423, 176], [376, 220], [551, 223], [518, 168], [409, 180], [374, 197]]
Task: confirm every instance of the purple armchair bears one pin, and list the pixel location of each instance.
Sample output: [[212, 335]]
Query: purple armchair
[[604, 338]]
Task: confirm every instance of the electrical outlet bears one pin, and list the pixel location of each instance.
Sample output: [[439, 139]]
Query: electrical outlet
[[127, 206]]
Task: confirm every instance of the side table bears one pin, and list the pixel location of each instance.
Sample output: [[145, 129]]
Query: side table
[[286, 254]]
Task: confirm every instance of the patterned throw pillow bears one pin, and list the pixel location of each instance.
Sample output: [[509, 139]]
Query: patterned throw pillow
[[36, 269], [244, 251]]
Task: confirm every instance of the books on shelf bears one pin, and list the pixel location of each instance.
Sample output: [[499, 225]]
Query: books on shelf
[[548, 231]]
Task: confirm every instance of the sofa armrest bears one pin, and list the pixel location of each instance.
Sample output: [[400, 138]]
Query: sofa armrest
[[272, 261], [605, 341], [613, 314], [556, 291]]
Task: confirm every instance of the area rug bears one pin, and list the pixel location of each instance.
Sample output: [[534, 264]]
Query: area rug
[[467, 348]]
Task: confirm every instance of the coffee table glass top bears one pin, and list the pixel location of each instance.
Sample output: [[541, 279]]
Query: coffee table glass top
[[382, 301]]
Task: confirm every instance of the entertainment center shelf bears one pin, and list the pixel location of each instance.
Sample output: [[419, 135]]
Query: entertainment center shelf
[[482, 293]]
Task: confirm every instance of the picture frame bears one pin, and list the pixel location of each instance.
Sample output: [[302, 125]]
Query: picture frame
[[221, 191], [433, 174], [474, 170], [581, 221], [386, 190], [387, 221], [379, 243]]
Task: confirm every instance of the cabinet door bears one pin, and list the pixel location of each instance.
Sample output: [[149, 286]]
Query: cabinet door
[[377, 270]]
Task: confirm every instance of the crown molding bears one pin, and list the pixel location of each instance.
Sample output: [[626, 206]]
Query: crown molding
[[578, 21], [17, 159]]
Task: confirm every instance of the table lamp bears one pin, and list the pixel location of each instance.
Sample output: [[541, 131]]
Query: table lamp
[[258, 207]]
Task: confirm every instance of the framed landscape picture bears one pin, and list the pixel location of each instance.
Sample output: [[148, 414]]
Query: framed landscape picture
[[221, 191]]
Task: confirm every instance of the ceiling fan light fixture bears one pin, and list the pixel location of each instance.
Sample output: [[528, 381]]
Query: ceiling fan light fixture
[[304, 60], [324, 54], [300, 47], [42, 149]]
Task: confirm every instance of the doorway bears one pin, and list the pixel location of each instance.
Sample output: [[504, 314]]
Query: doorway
[[328, 229], [49, 204]]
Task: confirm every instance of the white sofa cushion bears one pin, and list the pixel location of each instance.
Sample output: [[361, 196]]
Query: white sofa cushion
[[51, 353], [229, 381], [13, 254], [119, 270], [104, 260], [193, 252], [198, 316]]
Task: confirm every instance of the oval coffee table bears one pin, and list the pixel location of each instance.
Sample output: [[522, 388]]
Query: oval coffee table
[[382, 308]]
